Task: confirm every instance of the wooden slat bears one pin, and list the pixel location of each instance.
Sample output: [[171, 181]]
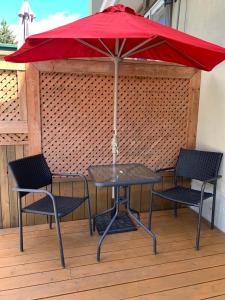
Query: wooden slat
[[78, 191], [22, 94], [11, 155], [4, 183], [102, 199], [145, 197], [66, 189], [11, 66], [133, 68], [13, 127], [135, 200], [28, 219], [33, 109], [193, 109]]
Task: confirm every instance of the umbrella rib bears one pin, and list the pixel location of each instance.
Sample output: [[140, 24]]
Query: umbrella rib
[[106, 47], [128, 53], [121, 47], [147, 48], [186, 56], [117, 47], [93, 47]]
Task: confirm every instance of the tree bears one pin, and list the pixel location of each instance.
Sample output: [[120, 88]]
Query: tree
[[6, 34]]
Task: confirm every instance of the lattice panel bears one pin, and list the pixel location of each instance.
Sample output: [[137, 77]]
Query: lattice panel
[[153, 117], [13, 138], [9, 104], [77, 119], [10, 109]]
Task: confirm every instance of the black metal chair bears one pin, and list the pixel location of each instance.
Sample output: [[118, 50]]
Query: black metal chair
[[32, 173], [193, 164]]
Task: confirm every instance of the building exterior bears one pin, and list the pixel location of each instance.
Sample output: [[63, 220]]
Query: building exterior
[[203, 19], [139, 5]]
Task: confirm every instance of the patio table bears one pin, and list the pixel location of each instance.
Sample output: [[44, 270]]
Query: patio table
[[117, 176]]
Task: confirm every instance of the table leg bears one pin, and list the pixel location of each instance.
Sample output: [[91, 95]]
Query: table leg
[[110, 224], [127, 194], [149, 231], [112, 209]]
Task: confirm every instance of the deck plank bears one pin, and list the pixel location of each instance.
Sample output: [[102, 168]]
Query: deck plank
[[128, 269]]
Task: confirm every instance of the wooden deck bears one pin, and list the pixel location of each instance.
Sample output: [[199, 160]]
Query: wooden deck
[[128, 269]]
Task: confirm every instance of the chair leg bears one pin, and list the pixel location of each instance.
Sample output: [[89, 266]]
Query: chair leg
[[89, 216], [50, 222], [150, 210], [60, 241], [175, 209], [197, 246], [20, 219], [94, 224], [213, 208]]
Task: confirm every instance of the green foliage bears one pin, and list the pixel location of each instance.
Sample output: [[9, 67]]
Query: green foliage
[[6, 34]]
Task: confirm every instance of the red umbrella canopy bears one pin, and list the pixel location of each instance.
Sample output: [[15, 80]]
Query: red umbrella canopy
[[119, 31]]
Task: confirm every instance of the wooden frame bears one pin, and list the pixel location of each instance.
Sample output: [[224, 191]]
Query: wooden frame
[[104, 66], [30, 123], [33, 108]]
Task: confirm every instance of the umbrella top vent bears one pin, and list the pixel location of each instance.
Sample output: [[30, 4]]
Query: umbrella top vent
[[120, 8]]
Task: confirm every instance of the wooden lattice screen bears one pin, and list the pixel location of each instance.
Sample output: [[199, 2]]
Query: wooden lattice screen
[[13, 114], [77, 116], [65, 109]]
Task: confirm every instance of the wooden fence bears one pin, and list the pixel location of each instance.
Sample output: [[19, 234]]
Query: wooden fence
[[64, 109]]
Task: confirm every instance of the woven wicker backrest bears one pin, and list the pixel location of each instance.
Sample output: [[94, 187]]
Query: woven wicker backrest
[[31, 172], [200, 165]]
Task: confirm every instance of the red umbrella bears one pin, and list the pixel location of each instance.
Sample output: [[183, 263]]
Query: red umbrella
[[119, 32]]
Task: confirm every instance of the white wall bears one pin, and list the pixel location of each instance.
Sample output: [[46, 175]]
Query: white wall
[[206, 19]]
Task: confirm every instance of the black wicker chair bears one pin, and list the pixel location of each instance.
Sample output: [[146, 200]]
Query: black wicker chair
[[32, 173], [192, 164]]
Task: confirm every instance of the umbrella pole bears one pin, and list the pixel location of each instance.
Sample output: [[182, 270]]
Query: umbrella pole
[[115, 110]]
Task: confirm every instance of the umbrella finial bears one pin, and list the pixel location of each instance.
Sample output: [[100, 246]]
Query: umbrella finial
[[26, 16]]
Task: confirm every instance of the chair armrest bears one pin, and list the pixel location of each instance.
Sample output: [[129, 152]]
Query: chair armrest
[[38, 191], [212, 179], [64, 174], [169, 169], [209, 180]]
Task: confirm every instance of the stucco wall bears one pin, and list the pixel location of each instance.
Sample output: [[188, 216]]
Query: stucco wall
[[205, 19]]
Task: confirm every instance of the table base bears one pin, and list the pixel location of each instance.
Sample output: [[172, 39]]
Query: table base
[[123, 223]]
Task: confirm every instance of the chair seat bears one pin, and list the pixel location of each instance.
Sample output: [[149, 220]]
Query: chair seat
[[65, 205], [183, 195]]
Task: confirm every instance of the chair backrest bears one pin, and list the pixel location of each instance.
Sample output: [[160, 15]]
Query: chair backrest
[[200, 165], [31, 172]]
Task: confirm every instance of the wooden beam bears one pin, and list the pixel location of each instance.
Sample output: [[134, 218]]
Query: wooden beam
[[33, 110], [193, 109], [21, 80], [4, 65], [13, 127], [127, 68]]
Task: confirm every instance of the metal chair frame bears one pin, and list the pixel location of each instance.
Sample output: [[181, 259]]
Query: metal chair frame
[[212, 181], [23, 191]]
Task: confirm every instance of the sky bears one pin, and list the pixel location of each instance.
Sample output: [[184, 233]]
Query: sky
[[49, 13]]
